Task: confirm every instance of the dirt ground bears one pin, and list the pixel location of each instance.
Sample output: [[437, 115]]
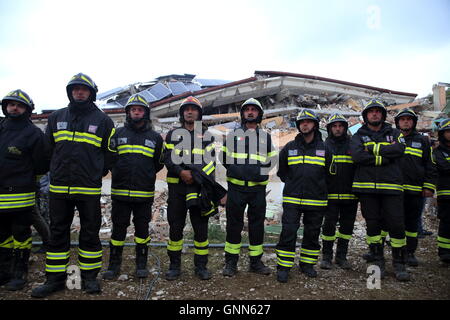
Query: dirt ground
[[430, 281]]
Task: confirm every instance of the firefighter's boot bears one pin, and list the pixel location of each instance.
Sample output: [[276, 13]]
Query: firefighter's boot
[[327, 254], [231, 261], [19, 271], [115, 262], [174, 271], [399, 259], [341, 254], [141, 260]]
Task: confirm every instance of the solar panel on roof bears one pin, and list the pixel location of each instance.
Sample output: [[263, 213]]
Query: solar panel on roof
[[177, 87], [211, 82], [160, 91], [192, 87], [148, 96]]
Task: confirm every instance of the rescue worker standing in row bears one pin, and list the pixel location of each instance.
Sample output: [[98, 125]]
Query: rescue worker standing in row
[[23, 155], [342, 203], [419, 177], [376, 150], [133, 184], [80, 135], [189, 145], [248, 156], [303, 167], [442, 153]]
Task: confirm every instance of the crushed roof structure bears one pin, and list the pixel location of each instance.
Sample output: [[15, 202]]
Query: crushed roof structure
[[280, 93]]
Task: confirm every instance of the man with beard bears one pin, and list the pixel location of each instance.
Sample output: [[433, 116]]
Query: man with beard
[[133, 184], [442, 153], [23, 155], [419, 177], [303, 166], [376, 150], [80, 135], [248, 156], [342, 203]]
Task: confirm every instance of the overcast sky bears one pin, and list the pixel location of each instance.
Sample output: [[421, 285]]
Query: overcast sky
[[400, 45]]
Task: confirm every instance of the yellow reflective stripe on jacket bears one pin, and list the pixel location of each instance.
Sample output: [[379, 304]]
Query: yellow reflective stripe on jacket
[[169, 146], [128, 148], [65, 135], [372, 185], [191, 196], [132, 193], [443, 193], [172, 180], [429, 186], [305, 202], [412, 188], [378, 160], [75, 190], [341, 196], [342, 159], [306, 159], [209, 168], [414, 152], [17, 200], [374, 239], [249, 183]]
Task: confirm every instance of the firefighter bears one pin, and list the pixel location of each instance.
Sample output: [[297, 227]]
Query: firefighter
[[442, 153], [376, 150], [80, 135], [133, 184], [419, 177], [342, 203], [23, 155], [189, 145], [248, 155], [303, 166]]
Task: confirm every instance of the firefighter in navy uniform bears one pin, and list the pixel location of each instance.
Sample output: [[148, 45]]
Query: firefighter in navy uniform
[[376, 151], [248, 156], [442, 153], [342, 203], [303, 167], [419, 177], [189, 145], [23, 155], [80, 135], [139, 151]]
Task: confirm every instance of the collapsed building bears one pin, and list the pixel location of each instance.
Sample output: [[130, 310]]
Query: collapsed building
[[282, 95]]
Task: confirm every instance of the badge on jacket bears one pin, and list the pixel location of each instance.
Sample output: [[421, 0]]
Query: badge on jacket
[[14, 150], [61, 125], [320, 153], [149, 143], [416, 145], [92, 128], [122, 141], [292, 152]]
